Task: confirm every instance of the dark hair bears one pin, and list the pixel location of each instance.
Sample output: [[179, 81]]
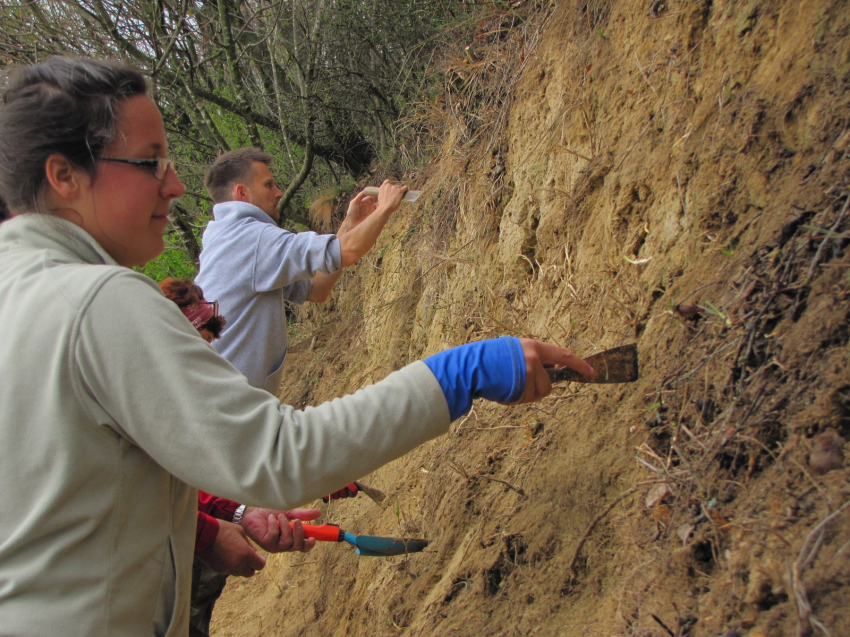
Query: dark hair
[[231, 168], [215, 325], [66, 106], [185, 293], [182, 291]]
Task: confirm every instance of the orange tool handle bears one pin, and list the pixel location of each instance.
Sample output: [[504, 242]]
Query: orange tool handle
[[323, 532]]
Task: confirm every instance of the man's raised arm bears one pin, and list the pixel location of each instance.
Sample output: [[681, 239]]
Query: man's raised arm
[[358, 232]]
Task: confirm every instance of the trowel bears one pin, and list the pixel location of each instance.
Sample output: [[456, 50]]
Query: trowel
[[617, 365], [410, 196], [376, 495], [366, 545]]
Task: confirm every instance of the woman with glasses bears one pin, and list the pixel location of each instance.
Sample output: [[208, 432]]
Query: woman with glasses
[[112, 411]]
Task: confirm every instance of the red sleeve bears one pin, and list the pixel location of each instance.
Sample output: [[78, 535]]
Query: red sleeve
[[206, 532], [216, 507]]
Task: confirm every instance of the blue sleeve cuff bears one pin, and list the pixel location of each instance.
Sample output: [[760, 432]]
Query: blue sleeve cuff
[[492, 369]]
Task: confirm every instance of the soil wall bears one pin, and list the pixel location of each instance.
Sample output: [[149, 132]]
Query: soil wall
[[670, 173]]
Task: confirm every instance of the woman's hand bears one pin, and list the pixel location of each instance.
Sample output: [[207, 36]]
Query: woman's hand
[[539, 356]]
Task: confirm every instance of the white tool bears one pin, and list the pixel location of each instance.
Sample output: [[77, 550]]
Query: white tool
[[410, 196]]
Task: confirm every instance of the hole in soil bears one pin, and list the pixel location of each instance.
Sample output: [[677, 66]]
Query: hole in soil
[[838, 336], [772, 434], [567, 589], [790, 228], [769, 325], [493, 576], [800, 306], [731, 459], [512, 555], [757, 357], [767, 599], [457, 586], [659, 439], [687, 623], [706, 410], [515, 547], [702, 552]]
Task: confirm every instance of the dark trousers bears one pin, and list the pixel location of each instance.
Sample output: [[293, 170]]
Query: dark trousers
[[207, 586]]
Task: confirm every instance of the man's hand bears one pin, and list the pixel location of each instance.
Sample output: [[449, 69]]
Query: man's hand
[[270, 529], [232, 552], [358, 232], [390, 195], [538, 356], [360, 207], [358, 239]]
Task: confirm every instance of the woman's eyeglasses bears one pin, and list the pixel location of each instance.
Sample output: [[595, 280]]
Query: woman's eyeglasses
[[159, 166], [214, 305]]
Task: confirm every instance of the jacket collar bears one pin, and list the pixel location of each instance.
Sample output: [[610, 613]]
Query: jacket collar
[[47, 232], [233, 210]]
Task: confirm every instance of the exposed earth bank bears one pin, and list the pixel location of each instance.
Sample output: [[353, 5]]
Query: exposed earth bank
[[670, 173]]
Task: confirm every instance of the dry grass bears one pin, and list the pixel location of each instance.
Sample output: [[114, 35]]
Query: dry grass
[[322, 209]]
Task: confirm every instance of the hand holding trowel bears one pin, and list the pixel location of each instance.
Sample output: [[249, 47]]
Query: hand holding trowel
[[367, 545], [353, 489], [617, 365]]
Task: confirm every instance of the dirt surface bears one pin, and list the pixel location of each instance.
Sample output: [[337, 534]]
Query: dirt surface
[[673, 174]]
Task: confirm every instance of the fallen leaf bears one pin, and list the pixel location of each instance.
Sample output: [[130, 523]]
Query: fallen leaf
[[657, 495], [661, 513], [718, 519], [686, 311], [684, 532]]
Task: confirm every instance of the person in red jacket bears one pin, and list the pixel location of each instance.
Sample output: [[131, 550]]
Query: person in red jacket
[[222, 544]]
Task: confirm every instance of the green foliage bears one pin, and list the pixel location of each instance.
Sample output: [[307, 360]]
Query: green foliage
[[712, 309], [173, 262], [334, 76]]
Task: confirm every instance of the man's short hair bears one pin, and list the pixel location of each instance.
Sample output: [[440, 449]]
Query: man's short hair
[[231, 168]]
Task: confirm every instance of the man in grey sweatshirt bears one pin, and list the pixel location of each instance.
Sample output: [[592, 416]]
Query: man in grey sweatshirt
[[253, 267]]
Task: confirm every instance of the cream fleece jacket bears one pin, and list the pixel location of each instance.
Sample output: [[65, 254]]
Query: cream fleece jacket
[[113, 412]]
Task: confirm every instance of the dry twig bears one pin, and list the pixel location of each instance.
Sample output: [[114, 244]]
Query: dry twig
[[807, 555], [572, 567], [832, 231]]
